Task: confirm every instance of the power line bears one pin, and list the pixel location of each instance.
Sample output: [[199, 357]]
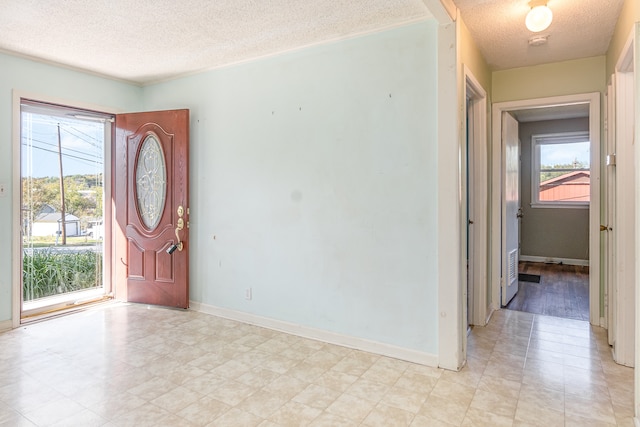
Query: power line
[[54, 145], [68, 155], [65, 124], [85, 134]]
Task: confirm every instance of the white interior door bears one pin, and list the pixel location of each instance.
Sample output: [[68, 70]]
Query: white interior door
[[625, 219], [608, 228], [512, 211]]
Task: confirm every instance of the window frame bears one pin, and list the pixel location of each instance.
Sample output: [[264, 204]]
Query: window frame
[[37, 309], [547, 139]]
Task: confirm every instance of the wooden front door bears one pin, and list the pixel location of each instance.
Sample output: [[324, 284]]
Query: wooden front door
[[151, 205]]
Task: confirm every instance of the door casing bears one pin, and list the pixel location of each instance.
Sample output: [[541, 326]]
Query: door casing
[[477, 157], [16, 244], [609, 211], [497, 199]]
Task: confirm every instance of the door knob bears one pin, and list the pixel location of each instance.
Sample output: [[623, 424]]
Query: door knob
[[179, 227]]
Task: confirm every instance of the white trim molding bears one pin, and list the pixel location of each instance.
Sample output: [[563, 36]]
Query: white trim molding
[[16, 238], [537, 141], [554, 260], [475, 123], [593, 100], [329, 337]]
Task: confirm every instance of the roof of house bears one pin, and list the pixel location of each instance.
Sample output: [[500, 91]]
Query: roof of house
[[55, 217], [578, 177]]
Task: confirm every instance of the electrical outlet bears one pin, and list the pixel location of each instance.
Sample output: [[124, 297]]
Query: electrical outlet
[[247, 294], [3, 190]]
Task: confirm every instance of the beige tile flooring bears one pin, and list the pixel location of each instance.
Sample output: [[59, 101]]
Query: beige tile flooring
[[132, 365]]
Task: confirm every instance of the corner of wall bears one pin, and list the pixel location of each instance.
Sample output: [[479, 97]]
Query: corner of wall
[[629, 14], [472, 58]]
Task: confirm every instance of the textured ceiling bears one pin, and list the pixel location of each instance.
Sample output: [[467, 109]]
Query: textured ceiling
[[149, 40], [580, 29], [145, 41]]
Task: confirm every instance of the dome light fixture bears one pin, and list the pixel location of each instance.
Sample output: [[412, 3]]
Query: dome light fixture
[[539, 17]]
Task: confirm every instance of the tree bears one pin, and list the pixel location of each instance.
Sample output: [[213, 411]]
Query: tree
[[83, 196], [550, 172]]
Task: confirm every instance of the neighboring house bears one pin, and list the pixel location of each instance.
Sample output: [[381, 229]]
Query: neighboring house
[[47, 209], [570, 187], [50, 223]]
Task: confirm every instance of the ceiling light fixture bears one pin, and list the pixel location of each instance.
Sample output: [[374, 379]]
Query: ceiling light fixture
[[539, 17]]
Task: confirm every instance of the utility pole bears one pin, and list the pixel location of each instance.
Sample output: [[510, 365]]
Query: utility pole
[[63, 215]]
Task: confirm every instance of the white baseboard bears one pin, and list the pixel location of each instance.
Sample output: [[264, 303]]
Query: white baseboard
[[491, 310], [356, 343], [603, 323], [6, 325], [552, 260]]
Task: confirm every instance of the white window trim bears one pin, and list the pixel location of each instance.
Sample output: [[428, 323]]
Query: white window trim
[[552, 138]]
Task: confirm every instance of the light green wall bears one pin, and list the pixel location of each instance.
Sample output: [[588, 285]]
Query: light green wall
[[555, 79], [316, 171], [628, 16], [41, 80]]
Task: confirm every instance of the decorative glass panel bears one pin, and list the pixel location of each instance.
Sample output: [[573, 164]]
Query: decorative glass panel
[[151, 182]]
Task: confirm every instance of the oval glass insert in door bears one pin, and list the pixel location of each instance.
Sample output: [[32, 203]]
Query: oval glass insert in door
[[151, 182]]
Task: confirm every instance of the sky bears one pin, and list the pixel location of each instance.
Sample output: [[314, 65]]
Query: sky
[[82, 146], [83, 142], [562, 154]]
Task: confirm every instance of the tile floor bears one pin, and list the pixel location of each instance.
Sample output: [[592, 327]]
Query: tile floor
[[131, 365]]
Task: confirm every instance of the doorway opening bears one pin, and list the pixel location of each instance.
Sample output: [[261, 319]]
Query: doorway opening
[[553, 212], [63, 183], [540, 221]]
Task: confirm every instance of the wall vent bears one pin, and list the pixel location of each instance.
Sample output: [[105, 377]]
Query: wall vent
[[512, 272]]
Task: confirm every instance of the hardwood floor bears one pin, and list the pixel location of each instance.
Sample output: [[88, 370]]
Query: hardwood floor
[[563, 291]]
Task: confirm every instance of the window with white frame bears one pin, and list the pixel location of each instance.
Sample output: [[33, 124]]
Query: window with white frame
[[561, 170]]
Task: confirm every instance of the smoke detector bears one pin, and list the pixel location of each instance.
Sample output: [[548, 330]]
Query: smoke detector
[[538, 40]]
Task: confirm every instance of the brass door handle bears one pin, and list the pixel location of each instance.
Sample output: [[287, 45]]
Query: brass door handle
[[178, 229], [179, 226]]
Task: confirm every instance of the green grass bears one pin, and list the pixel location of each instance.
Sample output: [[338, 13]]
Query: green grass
[[44, 242], [46, 273]]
